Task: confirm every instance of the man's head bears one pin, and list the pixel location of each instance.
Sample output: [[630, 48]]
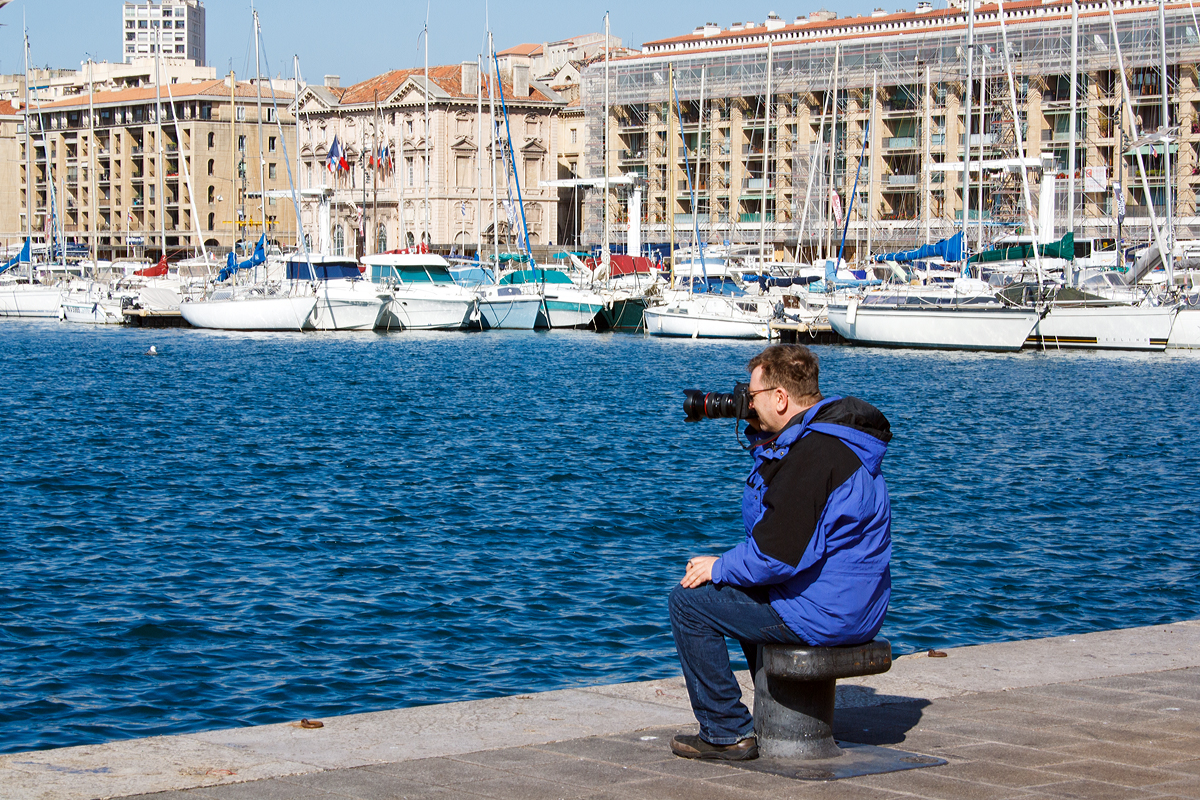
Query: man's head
[[783, 383]]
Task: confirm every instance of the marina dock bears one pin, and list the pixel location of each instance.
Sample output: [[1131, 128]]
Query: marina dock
[[1113, 714], [805, 333]]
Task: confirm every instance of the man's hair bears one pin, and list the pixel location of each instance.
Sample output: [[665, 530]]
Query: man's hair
[[791, 366]]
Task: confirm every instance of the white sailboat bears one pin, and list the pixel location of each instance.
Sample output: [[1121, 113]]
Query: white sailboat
[[345, 302], [707, 316], [969, 326], [424, 295]]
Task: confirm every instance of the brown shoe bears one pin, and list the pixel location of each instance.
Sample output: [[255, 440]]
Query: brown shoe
[[695, 747]]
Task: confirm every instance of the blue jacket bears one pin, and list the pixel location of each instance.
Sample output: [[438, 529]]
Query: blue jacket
[[818, 523]]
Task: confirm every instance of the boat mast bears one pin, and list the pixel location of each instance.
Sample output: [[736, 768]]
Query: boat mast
[[1069, 264], [262, 161], [92, 161], [927, 140], [375, 175], [870, 134], [187, 177], [427, 166], [814, 162], [982, 128], [766, 174], [493, 78], [837, 54], [478, 157], [605, 255], [1167, 255], [160, 161], [30, 183], [966, 182]]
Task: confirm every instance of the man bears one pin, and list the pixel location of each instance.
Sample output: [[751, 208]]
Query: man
[[813, 568]]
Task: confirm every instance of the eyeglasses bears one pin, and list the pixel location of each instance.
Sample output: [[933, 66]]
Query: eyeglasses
[[760, 391]]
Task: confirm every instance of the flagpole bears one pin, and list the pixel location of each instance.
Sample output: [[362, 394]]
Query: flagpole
[[492, 78], [375, 173]]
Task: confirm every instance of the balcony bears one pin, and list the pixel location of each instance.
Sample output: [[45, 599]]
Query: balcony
[[902, 180], [692, 219], [755, 216], [136, 151], [937, 140], [632, 155], [756, 184], [752, 149], [900, 142], [981, 139]]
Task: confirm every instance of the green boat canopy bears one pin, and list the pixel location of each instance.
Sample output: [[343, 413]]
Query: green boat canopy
[[1063, 248], [536, 276]]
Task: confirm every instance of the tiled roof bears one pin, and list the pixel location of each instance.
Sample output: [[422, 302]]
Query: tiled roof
[[447, 78], [178, 91], [525, 49]]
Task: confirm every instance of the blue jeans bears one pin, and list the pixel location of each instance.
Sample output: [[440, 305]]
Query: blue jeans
[[701, 618]]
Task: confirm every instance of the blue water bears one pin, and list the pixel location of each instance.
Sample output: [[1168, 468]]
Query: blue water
[[255, 528]]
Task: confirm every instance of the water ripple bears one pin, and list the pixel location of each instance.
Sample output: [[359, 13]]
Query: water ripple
[[254, 528]]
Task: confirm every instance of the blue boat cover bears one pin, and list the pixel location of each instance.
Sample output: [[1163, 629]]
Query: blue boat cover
[[232, 266], [947, 249], [20, 258], [300, 271]]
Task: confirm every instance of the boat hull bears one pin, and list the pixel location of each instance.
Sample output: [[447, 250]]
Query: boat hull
[[944, 328], [407, 312], [567, 313], [30, 301], [1185, 333], [92, 312], [509, 313], [660, 322], [347, 311], [1104, 328], [623, 315], [250, 313]]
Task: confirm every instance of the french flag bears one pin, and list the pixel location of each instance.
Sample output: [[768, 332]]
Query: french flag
[[337, 157]]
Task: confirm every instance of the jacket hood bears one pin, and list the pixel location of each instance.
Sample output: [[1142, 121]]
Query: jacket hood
[[860, 425]]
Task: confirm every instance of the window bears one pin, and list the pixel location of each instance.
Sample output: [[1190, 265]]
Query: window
[[381, 239], [240, 113], [462, 169], [339, 241], [270, 113], [212, 194], [574, 135], [212, 142], [531, 174], [212, 221], [409, 162], [425, 167], [212, 166], [242, 143], [271, 171], [271, 145]]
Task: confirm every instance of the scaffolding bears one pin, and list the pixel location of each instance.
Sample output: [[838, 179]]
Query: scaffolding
[[918, 124]]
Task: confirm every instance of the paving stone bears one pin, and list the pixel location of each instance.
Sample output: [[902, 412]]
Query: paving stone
[[521, 787], [1123, 753], [1189, 746], [273, 789], [1122, 774], [1095, 790], [614, 750], [775, 787], [690, 768], [1101, 695], [512, 759], [586, 773], [930, 784], [675, 789], [998, 774], [1007, 734], [361, 783], [438, 771], [996, 753], [1186, 788], [185, 795]]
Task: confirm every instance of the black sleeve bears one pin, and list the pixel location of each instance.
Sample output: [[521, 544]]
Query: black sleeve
[[798, 486]]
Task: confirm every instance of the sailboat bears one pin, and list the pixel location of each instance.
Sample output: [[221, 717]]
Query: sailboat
[[21, 295]]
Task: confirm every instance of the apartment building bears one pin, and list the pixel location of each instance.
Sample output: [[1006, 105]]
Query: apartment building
[[167, 27], [782, 126], [110, 170], [451, 160]]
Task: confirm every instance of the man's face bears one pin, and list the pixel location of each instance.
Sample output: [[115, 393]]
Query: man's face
[[769, 402]]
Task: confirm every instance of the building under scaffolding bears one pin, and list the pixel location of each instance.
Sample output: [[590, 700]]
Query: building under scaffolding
[[776, 123]]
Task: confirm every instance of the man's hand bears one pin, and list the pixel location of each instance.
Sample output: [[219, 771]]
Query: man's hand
[[699, 571]]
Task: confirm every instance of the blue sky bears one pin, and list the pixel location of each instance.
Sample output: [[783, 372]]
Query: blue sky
[[360, 38]]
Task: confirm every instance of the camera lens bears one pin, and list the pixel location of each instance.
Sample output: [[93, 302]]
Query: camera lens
[[698, 405]]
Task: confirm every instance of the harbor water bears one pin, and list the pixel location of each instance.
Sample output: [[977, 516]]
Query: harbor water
[[249, 529]]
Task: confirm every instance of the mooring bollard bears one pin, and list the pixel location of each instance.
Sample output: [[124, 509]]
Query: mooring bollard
[[794, 693]]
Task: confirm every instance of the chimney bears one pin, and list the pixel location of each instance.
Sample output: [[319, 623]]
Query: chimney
[[333, 81], [520, 80], [470, 77]]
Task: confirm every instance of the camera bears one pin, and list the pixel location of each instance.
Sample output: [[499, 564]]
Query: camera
[[698, 405]]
